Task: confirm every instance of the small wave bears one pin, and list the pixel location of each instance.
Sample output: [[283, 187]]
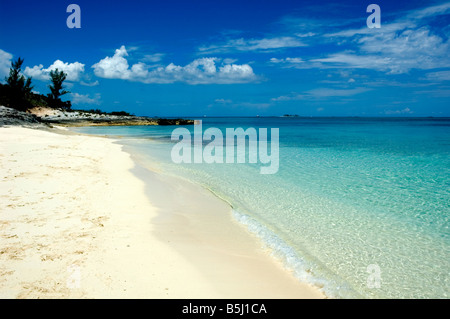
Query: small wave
[[301, 269]]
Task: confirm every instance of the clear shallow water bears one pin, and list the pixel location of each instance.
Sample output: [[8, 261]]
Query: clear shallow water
[[349, 193]]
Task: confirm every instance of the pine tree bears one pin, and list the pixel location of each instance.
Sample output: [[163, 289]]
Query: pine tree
[[57, 89], [17, 90]]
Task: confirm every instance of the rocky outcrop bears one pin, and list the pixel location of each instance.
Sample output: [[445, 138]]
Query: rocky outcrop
[[174, 122], [10, 116], [47, 117]]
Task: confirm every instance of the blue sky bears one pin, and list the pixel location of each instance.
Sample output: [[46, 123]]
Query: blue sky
[[237, 58]]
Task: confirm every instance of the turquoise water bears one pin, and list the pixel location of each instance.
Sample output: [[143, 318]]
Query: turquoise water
[[351, 195]]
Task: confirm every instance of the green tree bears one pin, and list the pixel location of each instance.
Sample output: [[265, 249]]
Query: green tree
[[17, 91], [57, 90]]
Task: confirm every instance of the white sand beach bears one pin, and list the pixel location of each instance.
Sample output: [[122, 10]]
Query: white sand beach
[[76, 221]]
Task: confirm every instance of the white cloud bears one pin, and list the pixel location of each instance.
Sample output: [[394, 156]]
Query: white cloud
[[327, 92], [439, 76], [288, 62], [290, 97], [115, 67], [253, 45], [442, 92], [305, 35], [229, 60], [430, 11], [385, 29], [273, 43], [73, 70], [255, 105], [199, 71], [397, 47], [320, 93], [409, 20], [153, 58], [395, 52], [85, 99], [400, 45], [223, 101], [418, 48], [95, 83], [406, 110], [5, 63], [352, 60]]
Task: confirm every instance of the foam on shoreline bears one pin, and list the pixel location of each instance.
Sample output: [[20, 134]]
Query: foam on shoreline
[[205, 232]]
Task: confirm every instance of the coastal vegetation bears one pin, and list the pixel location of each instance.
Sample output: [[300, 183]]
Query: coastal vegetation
[[17, 92], [19, 105], [57, 90]]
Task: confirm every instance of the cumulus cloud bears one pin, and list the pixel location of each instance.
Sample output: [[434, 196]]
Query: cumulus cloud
[[5, 63], [115, 67], [199, 71], [73, 70]]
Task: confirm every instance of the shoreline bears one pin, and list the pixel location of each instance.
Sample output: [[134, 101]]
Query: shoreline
[[138, 233], [48, 117], [207, 235]]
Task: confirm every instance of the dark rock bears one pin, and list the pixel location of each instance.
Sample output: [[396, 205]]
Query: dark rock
[[175, 122], [9, 116]]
